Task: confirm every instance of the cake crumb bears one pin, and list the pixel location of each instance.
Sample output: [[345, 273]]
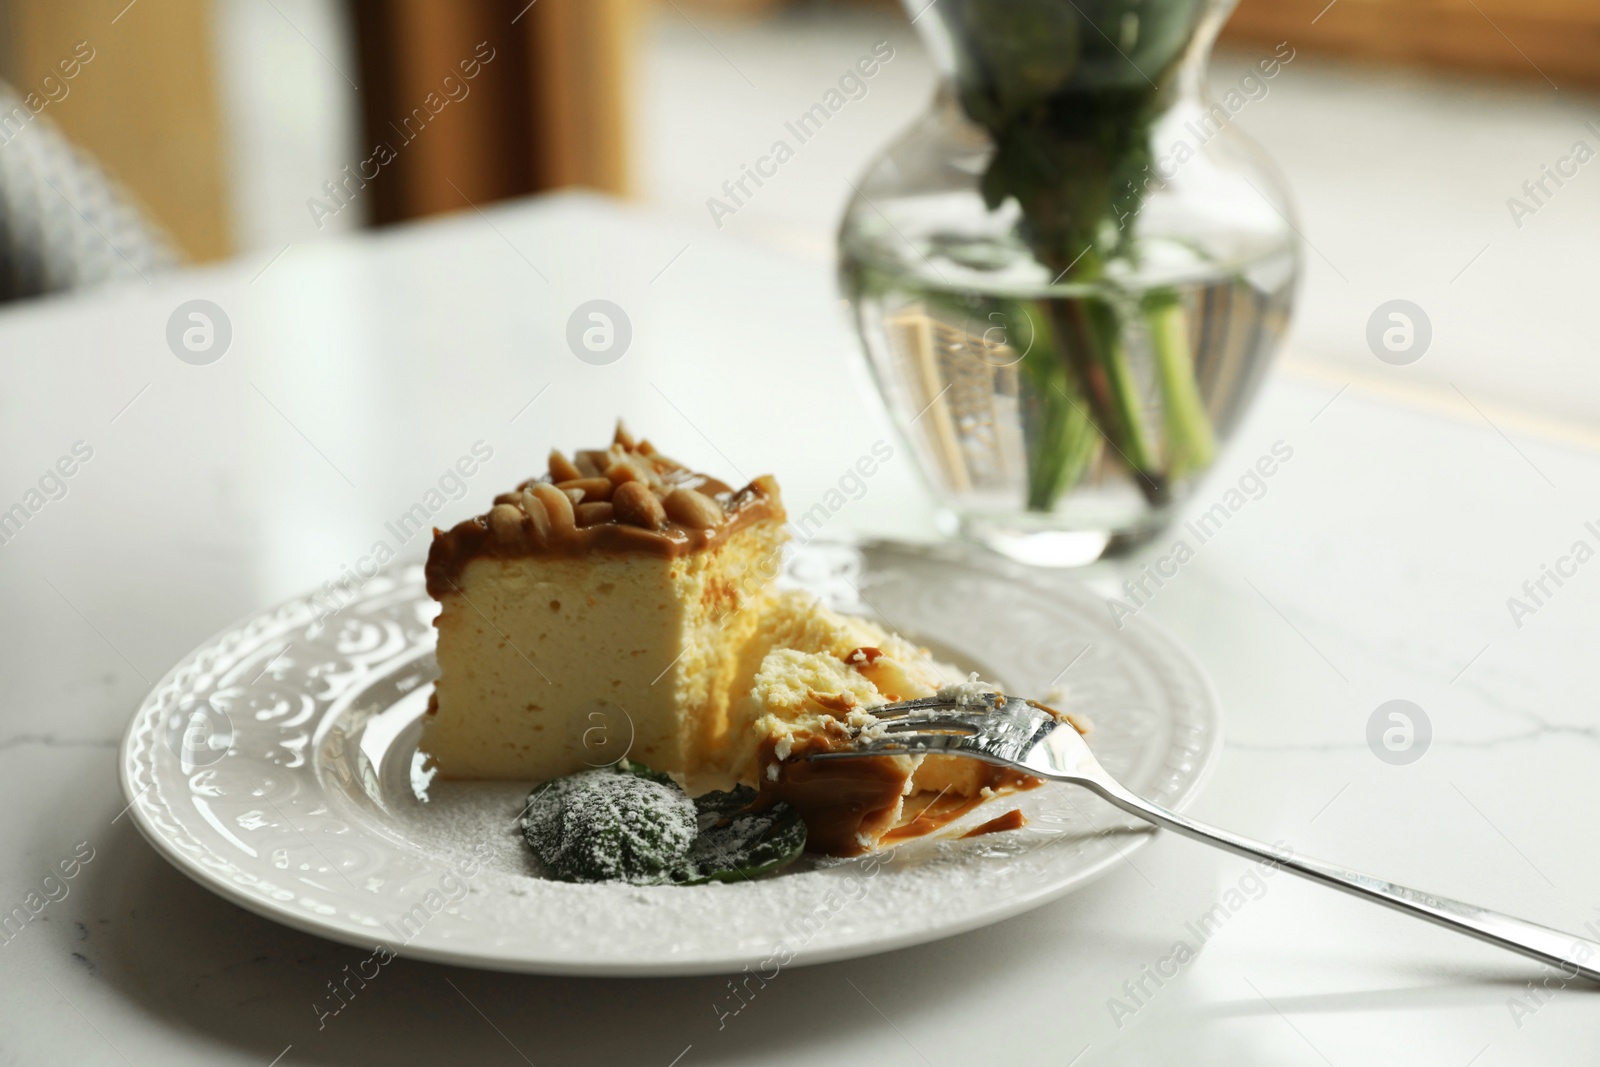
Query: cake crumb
[[1057, 700], [866, 726], [971, 691]]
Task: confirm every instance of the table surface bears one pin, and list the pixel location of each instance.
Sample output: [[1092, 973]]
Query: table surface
[[1376, 565]]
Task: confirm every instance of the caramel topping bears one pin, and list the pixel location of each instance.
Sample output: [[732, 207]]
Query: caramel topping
[[630, 499], [838, 703], [1011, 820], [596, 513], [934, 813], [841, 801], [846, 801]]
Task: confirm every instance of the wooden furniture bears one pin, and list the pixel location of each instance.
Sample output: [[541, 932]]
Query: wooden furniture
[[483, 99], [546, 106], [144, 102], [1557, 41]]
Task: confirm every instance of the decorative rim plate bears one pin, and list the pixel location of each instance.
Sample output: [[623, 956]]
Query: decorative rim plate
[[277, 766]]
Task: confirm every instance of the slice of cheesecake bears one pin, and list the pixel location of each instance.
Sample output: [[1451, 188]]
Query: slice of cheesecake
[[598, 612]]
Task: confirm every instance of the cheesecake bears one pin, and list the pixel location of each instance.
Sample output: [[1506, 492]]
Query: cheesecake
[[595, 613], [623, 605]]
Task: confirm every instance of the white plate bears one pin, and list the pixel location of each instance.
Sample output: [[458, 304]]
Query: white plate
[[277, 766]]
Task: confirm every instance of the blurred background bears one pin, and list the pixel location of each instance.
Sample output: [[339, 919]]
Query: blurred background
[[1410, 130]]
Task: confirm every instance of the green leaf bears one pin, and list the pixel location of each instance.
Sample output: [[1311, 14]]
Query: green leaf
[[741, 837], [639, 770]]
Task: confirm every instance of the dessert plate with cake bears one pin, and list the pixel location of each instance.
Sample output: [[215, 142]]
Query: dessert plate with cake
[[581, 738]]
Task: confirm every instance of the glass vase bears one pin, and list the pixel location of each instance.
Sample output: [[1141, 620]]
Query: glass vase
[[1071, 273]]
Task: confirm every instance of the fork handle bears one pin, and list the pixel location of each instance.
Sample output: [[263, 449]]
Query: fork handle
[[1572, 954]]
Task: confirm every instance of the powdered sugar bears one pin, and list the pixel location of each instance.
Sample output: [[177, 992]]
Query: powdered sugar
[[603, 825]]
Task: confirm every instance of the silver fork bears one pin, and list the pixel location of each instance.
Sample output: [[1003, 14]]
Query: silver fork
[[1027, 736]]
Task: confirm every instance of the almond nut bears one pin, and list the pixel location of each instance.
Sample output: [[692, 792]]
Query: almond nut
[[594, 489], [622, 437], [505, 522], [591, 463], [636, 505], [693, 508], [623, 471], [538, 517], [558, 504], [561, 468], [594, 513]]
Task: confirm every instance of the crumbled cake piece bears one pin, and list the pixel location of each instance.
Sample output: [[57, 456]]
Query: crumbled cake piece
[[818, 681]]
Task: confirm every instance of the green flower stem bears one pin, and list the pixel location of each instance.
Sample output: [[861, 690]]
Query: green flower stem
[[1191, 445], [1122, 389], [1098, 352], [1061, 437], [1069, 92]]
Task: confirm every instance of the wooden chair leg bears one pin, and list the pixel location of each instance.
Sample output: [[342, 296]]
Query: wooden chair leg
[[477, 100]]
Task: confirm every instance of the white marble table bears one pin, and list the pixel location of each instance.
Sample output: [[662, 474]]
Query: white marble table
[[1376, 566]]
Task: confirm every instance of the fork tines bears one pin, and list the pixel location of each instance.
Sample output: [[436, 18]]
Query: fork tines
[[978, 705], [935, 724]]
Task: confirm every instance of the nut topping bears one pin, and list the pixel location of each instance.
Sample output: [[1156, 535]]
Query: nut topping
[[622, 471], [693, 508], [557, 503], [627, 498], [538, 518], [505, 522], [636, 505], [591, 463], [561, 468], [593, 488]]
